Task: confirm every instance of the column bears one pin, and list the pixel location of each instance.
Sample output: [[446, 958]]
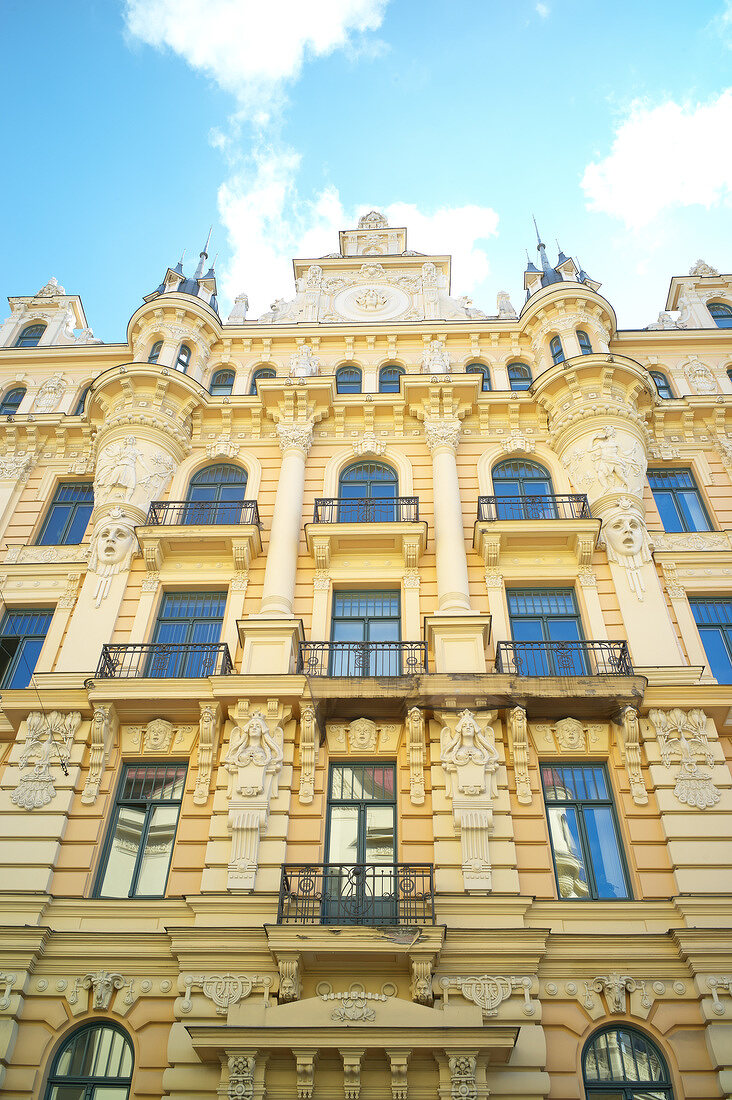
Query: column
[[452, 564], [279, 575]]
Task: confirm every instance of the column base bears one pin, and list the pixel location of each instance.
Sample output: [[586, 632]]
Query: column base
[[270, 646], [458, 641]]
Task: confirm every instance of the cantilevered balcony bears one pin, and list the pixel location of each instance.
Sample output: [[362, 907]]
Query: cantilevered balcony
[[558, 523], [563, 659], [366, 894], [184, 528], [164, 660], [366, 510], [567, 506], [362, 659], [390, 525]]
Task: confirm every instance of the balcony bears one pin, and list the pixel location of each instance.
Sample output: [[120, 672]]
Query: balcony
[[342, 526], [563, 659], [558, 524], [366, 894], [182, 527], [164, 661], [366, 510], [361, 659]]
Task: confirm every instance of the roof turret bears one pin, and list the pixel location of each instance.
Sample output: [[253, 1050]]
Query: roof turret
[[198, 286]]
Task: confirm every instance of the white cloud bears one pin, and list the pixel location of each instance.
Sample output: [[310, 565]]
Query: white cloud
[[663, 157], [722, 24], [268, 222], [543, 10], [253, 49]]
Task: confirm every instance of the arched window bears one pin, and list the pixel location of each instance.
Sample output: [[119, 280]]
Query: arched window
[[480, 368], [621, 1064], [389, 376], [260, 375], [721, 313], [662, 385], [523, 490], [93, 1064], [216, 494], [30, 336], [184, 359], [155, 351], [584, 342], [11, 401], [79, 407], [222, 383], [519, 376], [348, 380], [367, 493], [555, 347]]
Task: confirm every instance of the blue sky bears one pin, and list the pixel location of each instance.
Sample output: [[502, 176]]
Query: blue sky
[[131, 125]]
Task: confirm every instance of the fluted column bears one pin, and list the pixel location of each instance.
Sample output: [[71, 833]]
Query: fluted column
[[279, 576], [452, 564]]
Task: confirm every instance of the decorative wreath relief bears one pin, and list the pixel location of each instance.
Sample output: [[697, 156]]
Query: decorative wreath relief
[[355, 1004]]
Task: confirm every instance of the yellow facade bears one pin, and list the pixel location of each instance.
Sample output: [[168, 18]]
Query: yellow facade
[[542, 628]]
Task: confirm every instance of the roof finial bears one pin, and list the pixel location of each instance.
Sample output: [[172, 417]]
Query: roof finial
[[208, 240], [203, 255], [538, 235], [182, 257]]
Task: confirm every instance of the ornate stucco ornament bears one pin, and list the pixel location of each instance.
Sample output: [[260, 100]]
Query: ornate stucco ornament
[[225, 990], [470, 761], [114, 544], [488, 991], [49, 737], [103, 984], [615, 987], [354, 1004], [626, 540], [254, 762], [682, 735]]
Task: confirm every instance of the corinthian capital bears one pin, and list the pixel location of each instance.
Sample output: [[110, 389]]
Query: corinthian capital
[[442, 433], [292, 434]]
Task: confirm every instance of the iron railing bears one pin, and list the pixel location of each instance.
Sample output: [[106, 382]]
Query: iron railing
[[362, 658], [164, 661], [366, 510], [564, 658], [565, 506], [187, 513], [357, 893]]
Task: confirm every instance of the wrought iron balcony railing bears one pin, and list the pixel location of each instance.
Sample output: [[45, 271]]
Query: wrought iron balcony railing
[[188, 513], [366, 510], [357, 893], [164, 661], [362, 658], [564, 658], [565, 506]]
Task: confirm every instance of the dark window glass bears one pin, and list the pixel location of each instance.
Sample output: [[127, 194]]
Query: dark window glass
[[663, 385], [366, 617], [367, 481], [30, 336], [68, 515], [79, 407], [621, 1064], [222, 383], [547, 615], [714, 621], [11, 401], [587, 856], [259, 376], [480, 368], [142, 833], [584, 342], [184, 358], [389, 378], [22, 634], [348, 380], [519, 376], [155, 351], [555, 347], [678, 500], [95, 1063], [520, 482], [721, 313], [221, 484], [188, 618]]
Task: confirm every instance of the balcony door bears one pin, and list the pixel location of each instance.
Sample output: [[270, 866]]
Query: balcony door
[[216, 494], [367, 493], [524, 490], [191, 620], [360, 621], [549, 617], [360, 881]]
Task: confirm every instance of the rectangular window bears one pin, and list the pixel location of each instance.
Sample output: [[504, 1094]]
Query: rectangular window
[[22, 634], [361, 620], [588, 859], [678, 500], [547, 632], [142, 832], [68, 516], [714, 620], [191, 621]]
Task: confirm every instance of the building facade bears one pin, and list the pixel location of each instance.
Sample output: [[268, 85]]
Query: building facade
[[365, 713]]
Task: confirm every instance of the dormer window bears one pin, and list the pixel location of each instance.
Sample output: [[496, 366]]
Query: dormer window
[[30, 336], [721, 313], [555, 347], [155, 351], [184, 359], [584, 342]]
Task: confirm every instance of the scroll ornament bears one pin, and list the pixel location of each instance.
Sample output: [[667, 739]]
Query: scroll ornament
[[470, 761], [416, 755], [307, 754]]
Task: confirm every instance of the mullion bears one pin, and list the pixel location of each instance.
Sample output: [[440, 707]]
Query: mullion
[[141, 850]]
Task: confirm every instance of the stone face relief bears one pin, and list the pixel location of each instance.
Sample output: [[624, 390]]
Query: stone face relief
[[113, 545], [626, 539], [50, 394]]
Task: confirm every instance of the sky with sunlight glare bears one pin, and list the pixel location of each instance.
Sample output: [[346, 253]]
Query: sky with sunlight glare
[[133, 125]]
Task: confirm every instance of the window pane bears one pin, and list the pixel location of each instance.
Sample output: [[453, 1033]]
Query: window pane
[[379, 842], [693, 511], [123, 853], [26, 659], [158, 848], [669, 513], [71, 1092], [564, 829], [343, 846], [78, 525], [605, 852], [110, 1092], [718, 648]]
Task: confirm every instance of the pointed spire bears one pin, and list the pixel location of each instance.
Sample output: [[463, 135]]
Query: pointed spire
[[549, 275], [179, 266], [530, 266], [211, 273], [582, 276], [561, 258], [203, 255]]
